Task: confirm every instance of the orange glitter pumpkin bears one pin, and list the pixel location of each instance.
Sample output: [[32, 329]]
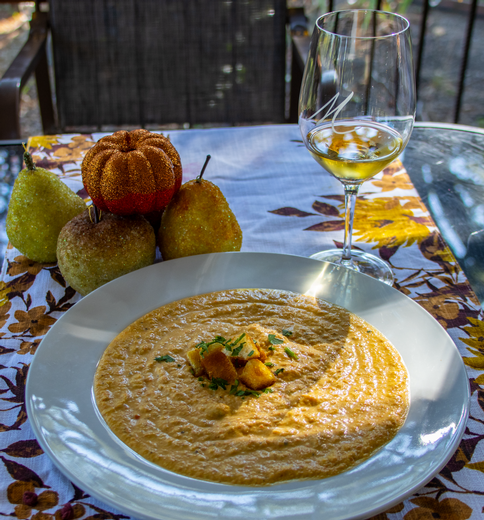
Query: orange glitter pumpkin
[[133, 172]]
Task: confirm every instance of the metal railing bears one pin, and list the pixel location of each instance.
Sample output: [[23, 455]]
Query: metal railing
[[426, 6], [465, 57]]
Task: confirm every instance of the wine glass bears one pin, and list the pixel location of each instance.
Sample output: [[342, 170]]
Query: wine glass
[[357, 109]]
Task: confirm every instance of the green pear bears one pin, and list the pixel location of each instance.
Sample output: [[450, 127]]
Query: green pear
[[40, 205], [198, 220]]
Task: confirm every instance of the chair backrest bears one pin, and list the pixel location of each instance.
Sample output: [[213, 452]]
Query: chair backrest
[[154, 62]]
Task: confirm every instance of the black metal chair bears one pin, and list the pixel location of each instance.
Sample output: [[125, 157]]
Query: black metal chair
[[148, 63]]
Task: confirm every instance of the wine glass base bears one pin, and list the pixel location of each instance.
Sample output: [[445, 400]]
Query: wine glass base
[[360, 261]]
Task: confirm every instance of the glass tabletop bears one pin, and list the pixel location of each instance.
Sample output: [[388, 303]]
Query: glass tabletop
[[446, 165]]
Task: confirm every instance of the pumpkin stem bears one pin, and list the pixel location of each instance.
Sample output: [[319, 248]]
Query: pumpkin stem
[[199, 178], [29, 162]]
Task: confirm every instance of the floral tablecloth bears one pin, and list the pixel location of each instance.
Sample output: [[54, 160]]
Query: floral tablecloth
[[285, 203]]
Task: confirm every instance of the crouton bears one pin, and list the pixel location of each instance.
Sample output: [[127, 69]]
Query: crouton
[[210, 349], [242, 348], [218, 365], [195, 361], [262, 355], [256, 375]]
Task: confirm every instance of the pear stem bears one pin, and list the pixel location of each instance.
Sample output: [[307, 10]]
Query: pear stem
[[29, 162], [96, 214], [199, 178]]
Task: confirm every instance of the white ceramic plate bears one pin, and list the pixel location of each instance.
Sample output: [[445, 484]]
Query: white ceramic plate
[[62, 410]]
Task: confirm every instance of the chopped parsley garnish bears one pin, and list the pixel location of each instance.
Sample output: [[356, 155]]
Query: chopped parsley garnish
[[271, 348], [236, 350], [217, 382], [203, 345], [233, 388], [229, 346], [250, 353], [252, 392], [278, 371], [273, 340], [286, 332], [240, 338], [290, 353], [267, 391], [166, 358], [268, 364], [369, 331]]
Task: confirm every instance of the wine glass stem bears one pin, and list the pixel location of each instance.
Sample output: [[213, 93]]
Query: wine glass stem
[[351, 191]]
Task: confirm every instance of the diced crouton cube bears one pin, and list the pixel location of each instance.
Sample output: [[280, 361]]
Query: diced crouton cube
[[244, 350], [195, 361], [218, 365], [256, 375], [214, 347]]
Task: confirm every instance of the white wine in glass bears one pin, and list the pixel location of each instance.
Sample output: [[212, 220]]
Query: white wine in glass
[[357, 109]]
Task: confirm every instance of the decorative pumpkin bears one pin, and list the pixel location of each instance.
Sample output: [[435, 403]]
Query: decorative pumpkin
[[133, 172]]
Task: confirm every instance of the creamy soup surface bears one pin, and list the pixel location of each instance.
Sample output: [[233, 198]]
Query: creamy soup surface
[[342, 395]]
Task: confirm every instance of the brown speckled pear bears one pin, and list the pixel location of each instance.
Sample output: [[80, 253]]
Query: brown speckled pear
[[40, 205], [91, 254], [198, 220]]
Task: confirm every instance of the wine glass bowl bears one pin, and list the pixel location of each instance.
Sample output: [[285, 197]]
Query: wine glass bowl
[[357, 108]]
